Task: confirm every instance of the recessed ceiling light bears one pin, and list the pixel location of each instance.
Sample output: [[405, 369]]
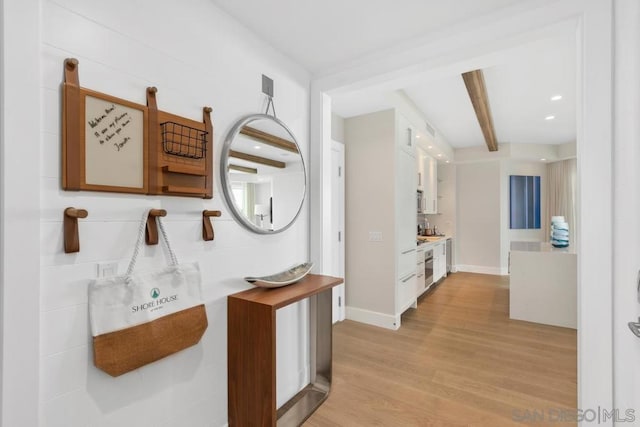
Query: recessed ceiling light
[[550, 117], [447, 161], [439, 155], [417, 136], [543, 160], [429, 147], [257, 147], [556, 97]]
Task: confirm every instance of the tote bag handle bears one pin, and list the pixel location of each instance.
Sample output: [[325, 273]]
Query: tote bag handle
[[139, 243]]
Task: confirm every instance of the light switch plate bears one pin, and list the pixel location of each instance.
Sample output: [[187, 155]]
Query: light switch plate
[[106, 269], [375, 236]]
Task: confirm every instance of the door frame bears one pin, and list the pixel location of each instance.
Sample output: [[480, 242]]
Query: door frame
[[526, 21], [20, 136], [339, 291]]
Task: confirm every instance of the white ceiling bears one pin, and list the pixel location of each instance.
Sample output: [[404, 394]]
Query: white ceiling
[[324, 35], [519, 86], [256, 147]]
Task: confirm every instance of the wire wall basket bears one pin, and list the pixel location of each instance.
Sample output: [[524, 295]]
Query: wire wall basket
[[183, 141]]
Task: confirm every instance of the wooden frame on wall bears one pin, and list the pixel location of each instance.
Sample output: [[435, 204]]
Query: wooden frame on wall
[[181, 150], [104, 140], [111, 144]]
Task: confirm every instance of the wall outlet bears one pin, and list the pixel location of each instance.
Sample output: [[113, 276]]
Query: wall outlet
[[107, 269], [375, 236]]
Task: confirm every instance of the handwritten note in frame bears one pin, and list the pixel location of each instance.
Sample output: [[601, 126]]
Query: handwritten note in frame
[[114, 144]]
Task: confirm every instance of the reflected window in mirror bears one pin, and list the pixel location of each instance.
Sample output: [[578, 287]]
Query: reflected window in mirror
[[238, 194]]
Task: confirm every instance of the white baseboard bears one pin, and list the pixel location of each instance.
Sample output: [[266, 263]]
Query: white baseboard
[[496, 271], [373, 318]]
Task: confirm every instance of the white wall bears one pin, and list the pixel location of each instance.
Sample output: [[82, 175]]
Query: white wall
[[483, 236], [288, 187], [123, 47], [337, 128], [478, 229]]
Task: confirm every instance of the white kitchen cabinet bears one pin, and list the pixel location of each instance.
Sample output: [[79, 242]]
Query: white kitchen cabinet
[[439, 260], [427, 181], [405, 191], [406, 262], [430, 191], [443, 259], [421, 157], [406, 292], [406, 221]]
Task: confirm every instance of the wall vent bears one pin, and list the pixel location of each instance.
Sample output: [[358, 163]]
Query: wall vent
[[430, 129]]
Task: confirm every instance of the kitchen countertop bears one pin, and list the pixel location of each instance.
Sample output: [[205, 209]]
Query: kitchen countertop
[[426, 243], [540, 247]]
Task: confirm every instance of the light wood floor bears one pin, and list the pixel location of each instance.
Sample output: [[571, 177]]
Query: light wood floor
[[457, 360]]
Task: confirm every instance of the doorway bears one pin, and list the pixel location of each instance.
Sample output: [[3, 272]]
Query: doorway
[[592, 22]]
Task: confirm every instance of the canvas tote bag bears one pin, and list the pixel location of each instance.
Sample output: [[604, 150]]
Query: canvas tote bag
[[138, 318]]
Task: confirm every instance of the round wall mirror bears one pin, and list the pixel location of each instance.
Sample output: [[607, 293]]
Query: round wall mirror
[[263, 174]]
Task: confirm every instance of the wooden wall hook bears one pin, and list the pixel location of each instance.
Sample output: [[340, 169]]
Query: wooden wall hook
[[207, 227], [71, 235], [151, 233]]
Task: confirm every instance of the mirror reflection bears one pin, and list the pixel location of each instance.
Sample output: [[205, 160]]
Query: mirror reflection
[[263, 174]]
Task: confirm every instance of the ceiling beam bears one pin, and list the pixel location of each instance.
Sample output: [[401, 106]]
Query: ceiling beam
[[267, 138], [256, 159], [474, 81], [244, 169]]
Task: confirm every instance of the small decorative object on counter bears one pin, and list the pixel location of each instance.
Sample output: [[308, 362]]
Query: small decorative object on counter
[[559, 232], [287, 277], [138, 318]]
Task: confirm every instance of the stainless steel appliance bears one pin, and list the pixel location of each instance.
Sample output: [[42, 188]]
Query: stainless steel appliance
[[428, 267]]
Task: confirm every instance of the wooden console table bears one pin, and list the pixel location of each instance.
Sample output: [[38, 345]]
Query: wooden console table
[[251, 352]]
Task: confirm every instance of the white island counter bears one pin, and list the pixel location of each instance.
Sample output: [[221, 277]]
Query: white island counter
[[543, 284]]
